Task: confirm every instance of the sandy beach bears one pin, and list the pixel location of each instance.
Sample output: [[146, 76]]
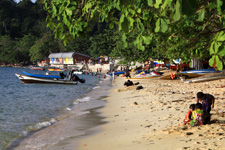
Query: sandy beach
[[149, 118]]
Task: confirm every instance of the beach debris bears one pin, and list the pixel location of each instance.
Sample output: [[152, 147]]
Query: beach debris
[[139, 87], [148, 126], [177, 100], [189, 133], [134, 103]]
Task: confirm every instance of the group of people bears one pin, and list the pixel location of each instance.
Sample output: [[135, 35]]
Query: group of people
[[199, 113]]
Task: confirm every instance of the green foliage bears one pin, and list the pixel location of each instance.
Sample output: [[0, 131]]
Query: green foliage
[[178, 28], [217, 50]]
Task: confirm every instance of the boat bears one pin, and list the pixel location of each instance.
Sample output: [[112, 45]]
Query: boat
[[209, 78], [141, 71], [28, 79], [42, 75], [144, 78], [55, 69], [117, 73], [201, 71], [36, 68], [152, 75], [186, 75]]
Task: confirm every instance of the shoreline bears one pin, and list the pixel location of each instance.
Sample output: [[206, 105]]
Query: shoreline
[[149, 118], [74, 122]]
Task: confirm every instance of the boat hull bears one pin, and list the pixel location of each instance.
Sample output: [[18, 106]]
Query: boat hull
[[203, 79], [28, 79], [202, 71], [42, 76]]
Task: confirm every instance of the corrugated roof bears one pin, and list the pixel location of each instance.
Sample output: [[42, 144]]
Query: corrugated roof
[[55, 55], [68, 55], [65, 55]]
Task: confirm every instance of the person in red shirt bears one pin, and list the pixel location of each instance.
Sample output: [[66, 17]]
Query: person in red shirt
[[188, 118]]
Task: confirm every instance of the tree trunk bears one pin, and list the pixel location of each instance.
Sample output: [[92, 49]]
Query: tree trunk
[[196, 64]]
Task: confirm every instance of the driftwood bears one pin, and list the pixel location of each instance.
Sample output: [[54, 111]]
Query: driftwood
[[177, 100]]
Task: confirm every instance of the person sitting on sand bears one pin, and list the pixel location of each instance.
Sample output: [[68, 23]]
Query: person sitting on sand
[[207, 101], [197, 115], [187, 118], [128, 83]]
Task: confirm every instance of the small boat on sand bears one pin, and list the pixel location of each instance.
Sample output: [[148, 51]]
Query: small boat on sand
[[209, 78], [117, 73], [28, 79], [186, 75], [202, 71]]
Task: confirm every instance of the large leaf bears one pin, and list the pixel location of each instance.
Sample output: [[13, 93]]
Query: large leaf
[[212, 60], [217, 46], [201, 15], [211, 50], [221, 37], [150, 2], [219, 5], [158, 2], [219, 64], [147, 39], [164, 25], [178, 10], [189, 7], [222, 51], [125, 25], [167, 3], [157, 25]]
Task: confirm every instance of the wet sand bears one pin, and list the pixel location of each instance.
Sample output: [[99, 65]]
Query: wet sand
[[149, 118]]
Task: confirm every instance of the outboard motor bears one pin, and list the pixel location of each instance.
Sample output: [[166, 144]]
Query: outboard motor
[[78, 79], [82, 80]]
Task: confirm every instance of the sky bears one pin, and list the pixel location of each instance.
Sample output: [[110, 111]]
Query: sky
[[21, 0]]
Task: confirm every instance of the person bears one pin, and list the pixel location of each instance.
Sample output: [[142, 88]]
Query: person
[[128, 83], [188, 118], [113, 76], [127, 72], [62, 75], [197, 115], [207, 101]]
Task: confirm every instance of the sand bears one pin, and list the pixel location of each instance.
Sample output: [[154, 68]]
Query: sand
[[149, 118]]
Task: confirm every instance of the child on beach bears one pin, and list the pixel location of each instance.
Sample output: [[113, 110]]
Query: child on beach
[[197, 115], [187, 118], [207, 103]]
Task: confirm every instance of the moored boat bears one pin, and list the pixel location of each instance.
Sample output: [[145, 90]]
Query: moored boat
[[42, 75], [28, 79], [55, 69], [36, 68]]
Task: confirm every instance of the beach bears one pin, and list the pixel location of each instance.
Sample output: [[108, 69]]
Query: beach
[[149, 118]]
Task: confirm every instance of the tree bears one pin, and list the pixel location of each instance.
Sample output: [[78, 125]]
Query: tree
[[44, 46], [103, 43], [187, 28], [23, 46], [7, 52]]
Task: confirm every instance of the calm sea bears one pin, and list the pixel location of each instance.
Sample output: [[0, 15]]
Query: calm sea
[[25, 108]]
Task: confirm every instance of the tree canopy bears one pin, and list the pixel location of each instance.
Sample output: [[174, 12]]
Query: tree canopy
[[167, 28]]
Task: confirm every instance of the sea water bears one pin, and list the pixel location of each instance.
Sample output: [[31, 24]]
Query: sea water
[[25, 108]]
